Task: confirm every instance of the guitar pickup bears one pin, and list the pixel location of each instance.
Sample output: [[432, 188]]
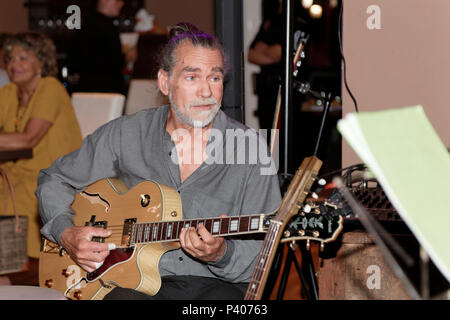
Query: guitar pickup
[[127, 229]]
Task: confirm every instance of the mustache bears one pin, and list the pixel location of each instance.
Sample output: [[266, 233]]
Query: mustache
[[199, 102]]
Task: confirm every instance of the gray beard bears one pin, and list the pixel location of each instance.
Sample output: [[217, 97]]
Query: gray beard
[[184, 117]]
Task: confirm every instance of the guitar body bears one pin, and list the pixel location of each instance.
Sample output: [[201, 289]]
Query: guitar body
[[108, 203]]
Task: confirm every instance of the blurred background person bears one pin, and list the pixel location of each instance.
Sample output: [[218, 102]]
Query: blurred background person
[[97, 55], [35, 112], [4, 79], [266, 51]]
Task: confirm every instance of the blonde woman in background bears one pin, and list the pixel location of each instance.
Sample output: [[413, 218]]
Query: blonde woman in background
[[35, 112]]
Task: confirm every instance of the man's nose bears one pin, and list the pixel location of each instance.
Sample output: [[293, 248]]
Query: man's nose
[[204, 89]]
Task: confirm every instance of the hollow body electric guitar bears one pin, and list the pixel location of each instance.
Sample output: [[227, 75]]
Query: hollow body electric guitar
[[145, 222]]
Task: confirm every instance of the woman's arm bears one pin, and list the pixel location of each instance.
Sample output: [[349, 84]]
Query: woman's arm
[[35, 130]]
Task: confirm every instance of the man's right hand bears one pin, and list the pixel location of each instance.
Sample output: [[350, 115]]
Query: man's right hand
[[86, 253]]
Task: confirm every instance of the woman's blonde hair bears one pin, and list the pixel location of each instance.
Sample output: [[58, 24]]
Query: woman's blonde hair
[[40, 45]]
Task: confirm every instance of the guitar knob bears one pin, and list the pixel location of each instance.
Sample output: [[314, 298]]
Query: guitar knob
[[322, 182], [77, 295], [49, 283], [65, 273]]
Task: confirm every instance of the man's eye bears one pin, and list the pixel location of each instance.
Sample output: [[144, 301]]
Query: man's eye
[[216, 79], [190, 78]]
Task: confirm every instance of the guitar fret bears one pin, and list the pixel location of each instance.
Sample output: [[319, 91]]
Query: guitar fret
[[215, 226], [155, 232], [254, 223], [179, 226], [243, 224], [234, 225], [160, 227], [208, 225], [146, 232], [139, 236], [169, 231], [225, 226], [163, 231]]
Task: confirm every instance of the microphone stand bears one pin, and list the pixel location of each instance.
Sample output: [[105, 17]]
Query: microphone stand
[[305, 88]]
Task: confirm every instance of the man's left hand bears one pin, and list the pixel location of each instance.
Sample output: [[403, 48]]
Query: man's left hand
[[200, 244]]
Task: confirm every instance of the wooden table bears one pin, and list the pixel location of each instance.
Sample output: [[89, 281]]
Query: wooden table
[[7, 155]]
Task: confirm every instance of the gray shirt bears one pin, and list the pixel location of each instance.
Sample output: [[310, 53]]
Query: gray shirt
[[137, 148]]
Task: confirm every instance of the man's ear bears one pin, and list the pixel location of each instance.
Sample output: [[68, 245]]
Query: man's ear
[[163, 81]]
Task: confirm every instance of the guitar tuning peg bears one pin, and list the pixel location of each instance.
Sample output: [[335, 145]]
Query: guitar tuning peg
[[322, 182], [315, 196], [293, 245], [307, 208]]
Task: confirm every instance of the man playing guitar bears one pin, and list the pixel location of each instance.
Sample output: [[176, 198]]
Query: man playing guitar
[[171, 144]]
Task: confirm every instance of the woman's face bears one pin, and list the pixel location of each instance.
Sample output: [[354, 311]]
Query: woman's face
[[22, 66]]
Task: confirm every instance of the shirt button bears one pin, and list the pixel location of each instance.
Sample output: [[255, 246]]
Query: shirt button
[[180, 258]]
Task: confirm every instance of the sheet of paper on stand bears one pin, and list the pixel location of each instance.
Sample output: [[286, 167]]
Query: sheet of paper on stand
[[406, 155]]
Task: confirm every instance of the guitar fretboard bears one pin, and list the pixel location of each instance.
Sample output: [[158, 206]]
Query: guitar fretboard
[[256, 283], [170, 230]]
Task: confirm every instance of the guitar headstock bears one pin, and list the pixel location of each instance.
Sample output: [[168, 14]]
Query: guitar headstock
[[300, 39], [298, 190], [319, 221]]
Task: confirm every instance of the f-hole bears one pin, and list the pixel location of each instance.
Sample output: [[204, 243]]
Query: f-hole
[[95, 198]]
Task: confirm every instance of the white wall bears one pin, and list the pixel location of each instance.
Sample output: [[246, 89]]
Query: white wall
[[405, 62]]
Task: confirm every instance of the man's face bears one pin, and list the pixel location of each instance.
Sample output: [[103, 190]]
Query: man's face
[[195, 88]]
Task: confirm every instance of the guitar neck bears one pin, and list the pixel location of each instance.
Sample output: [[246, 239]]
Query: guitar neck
[[292, 202], [263, 263], [167, 231]]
